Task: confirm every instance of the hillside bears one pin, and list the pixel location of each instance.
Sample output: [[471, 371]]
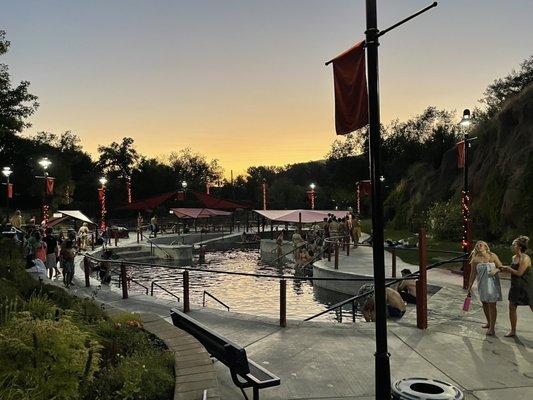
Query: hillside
[[501, 176]]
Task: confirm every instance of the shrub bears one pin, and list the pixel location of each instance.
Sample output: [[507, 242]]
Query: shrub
[[86, 310], [45, 359], [40, 306], [444, 220], [145, 375]]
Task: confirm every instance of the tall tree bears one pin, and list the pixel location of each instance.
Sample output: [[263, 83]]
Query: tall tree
[[195, 169], [119, 159]]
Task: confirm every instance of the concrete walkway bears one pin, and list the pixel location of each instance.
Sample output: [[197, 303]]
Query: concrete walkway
[[322, 360]]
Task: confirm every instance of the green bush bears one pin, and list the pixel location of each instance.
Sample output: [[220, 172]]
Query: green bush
[[40, 306], [45, 359], [444, 220], [145, 375], [86, 310]]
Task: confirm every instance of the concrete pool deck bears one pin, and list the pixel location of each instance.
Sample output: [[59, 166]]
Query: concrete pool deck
[[323, 360]]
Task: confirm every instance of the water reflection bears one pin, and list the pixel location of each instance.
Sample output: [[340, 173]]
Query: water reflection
[[252, 295]]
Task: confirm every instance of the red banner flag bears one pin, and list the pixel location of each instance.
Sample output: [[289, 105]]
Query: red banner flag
[[9, 190], [351, 96], [50, 186], [461, 154], [365, 188]]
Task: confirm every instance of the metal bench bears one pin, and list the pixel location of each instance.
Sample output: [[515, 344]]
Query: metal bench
[[228, 353]]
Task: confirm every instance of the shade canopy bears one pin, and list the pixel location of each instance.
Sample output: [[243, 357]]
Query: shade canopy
[[68, 214], [198, 212], [149, 203], [307, 216], [213, 202]]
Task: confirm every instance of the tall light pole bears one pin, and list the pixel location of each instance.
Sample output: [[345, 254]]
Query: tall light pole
[[466, 244], [264, 187], [7, 171], [311, 194], [45, 163], [102, 199]]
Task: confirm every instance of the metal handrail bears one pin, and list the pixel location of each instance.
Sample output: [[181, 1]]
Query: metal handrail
[[152, 243], [390, 283], [162, 288], [270, 276], [214, 298]]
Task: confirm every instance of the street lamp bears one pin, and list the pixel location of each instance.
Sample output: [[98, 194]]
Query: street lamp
[[184, 185], [465, 124], [103, 210], [264, 187], [311, 194], [7, 171], [45, 163]]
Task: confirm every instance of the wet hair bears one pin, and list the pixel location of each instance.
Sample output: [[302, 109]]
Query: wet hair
[[521, 242], [475, 252], [406, 271]]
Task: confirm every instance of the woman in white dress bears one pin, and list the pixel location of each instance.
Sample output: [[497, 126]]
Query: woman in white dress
[[485, 265]]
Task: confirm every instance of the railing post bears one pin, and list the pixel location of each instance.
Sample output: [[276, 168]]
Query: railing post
[[283, 303], [116, 239], [86, 270], [421, 283], [336, 255], [353, 311], [186, 306], [92, 241], [329, 252], [152, 288], [393, 254], [124, 280], [347, 240], [137, 235]]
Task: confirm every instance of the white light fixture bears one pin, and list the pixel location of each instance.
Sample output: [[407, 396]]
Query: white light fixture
[[312, 186], [103, 180], [6, 171], [45, 163], [382, 178], [184, 185], [466, 121]]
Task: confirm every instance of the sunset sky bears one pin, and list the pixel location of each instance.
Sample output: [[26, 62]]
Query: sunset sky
[[244, 81]]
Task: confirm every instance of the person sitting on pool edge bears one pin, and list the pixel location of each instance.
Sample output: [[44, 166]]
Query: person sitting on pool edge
[[407, 288], [395, 306]]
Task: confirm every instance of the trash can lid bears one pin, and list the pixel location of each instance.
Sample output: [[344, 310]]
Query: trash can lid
[[425, 389]]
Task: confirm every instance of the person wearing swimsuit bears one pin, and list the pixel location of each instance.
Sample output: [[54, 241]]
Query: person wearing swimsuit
[[486, 266], [521, 291]]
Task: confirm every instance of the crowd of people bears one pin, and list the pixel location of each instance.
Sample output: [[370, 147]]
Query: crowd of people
[[47, 252]]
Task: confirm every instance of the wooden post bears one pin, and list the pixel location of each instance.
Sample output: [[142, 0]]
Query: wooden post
[[283, 303], [336, 255], [393, 254], [421, 283], [86, 270], [124, 280], [186, 304]]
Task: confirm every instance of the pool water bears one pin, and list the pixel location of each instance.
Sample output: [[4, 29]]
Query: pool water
[[250, 295]]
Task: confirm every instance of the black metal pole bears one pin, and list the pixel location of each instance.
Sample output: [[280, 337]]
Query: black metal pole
[[7, 200], [382, 365]]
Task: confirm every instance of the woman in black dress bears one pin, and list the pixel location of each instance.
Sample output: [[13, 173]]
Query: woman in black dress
[[521, 292]]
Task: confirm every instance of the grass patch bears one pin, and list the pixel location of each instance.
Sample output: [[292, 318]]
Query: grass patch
[[410, 256]]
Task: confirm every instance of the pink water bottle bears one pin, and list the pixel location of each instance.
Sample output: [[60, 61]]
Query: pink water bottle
[[468, 301]]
